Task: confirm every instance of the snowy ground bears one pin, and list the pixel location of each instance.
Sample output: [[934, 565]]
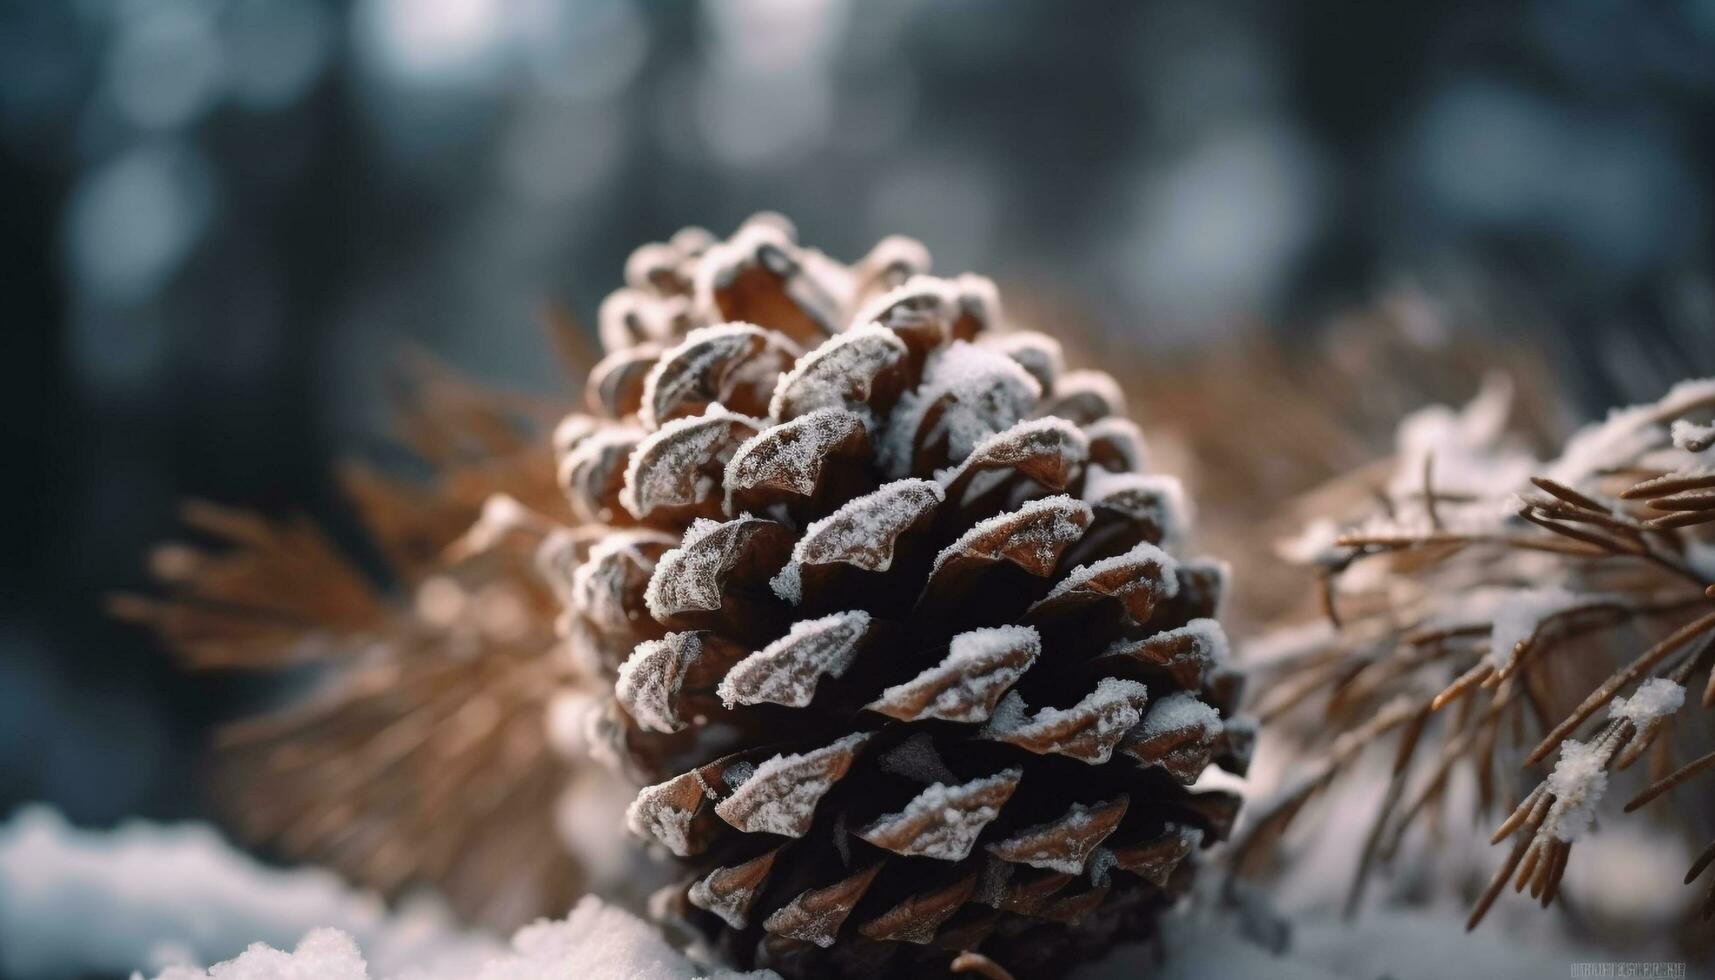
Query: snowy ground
[[168, 901]]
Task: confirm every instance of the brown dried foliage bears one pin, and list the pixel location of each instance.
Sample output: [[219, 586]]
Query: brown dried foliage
[[420, 757]]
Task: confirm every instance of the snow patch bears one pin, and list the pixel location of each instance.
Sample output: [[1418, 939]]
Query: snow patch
[[1654, 698]]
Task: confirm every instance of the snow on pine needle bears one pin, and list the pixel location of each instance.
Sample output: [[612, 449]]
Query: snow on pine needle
[[1500, 613]]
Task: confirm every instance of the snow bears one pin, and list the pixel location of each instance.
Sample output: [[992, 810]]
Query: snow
[[840, 373], [1518, 614], [976, 660], [683, 368], [787, 670], [1045, 526], [1111, 709], [1655, 698], [861, 533], [1466, 449], [984, 392], [688, 577], [668, 467], [1080, 577], [1008, 449], [145, 896], [1154, 497], [599, 585], [789, 787], [1692, 437], [790, 454], [594, 942], [649, 679], [1048, 849], [651, 816], [1211, 637], [1178, 712], [1578, 781], [606, 447], [1626, 433], [959, 823]]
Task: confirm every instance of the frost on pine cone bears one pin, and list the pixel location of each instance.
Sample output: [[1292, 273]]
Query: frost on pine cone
[[898, 633]]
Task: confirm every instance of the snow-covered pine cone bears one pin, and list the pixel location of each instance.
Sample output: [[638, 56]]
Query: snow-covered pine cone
[[897, 628]]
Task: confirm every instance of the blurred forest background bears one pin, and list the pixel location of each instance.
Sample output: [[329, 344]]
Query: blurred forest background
[[223, 221]]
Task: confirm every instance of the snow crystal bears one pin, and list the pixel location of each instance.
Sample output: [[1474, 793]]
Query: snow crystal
[[76, 902], [1626, 432], [1178, 712], [790, 787], [1057, 528], [955, 832], [982, 391], [1154, 498], [1466, 449], [681, 369], [921, 301], [687, 577], [1519, 613], [839, 373], [607, 447], [738, 774], [651, 816], [1208, 635], [649, 679], [1010, 448], [787, 670], [652, 479], [599, 585], [760, 233], [974, 659], [1654, 698], [1692, 437], [861, 533], [1113, 707], [1079, 577], [790, 454], [1578, 781]]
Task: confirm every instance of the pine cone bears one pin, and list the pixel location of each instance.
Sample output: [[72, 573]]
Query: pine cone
[[897, 631]]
